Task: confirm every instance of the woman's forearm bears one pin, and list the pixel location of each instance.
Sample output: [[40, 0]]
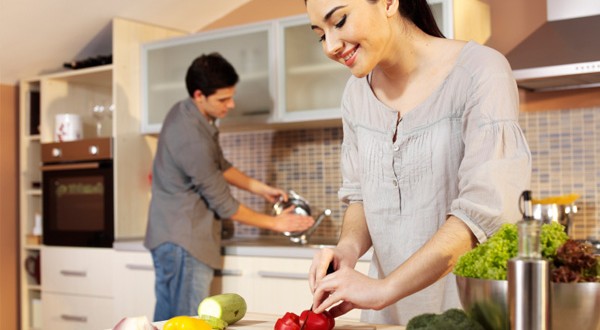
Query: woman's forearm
[[432, 261], [354, 237]]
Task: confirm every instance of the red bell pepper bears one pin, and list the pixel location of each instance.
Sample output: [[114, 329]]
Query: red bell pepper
[[314, 321], [289, 321]]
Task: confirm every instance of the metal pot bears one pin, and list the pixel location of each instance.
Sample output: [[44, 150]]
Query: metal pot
[[302, 207], [560, 213]]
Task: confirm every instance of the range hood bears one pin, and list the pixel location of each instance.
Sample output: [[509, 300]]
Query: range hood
[[564, 53]]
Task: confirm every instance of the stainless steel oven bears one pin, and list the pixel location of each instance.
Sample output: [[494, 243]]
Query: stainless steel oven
[[77, 190]]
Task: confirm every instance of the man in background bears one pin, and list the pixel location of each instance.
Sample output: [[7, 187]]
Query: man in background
[[191, 193]]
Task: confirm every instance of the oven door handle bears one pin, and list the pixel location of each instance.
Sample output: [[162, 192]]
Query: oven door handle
[[62, 167]]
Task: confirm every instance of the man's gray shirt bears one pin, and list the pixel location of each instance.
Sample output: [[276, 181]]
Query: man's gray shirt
[[189, 191]]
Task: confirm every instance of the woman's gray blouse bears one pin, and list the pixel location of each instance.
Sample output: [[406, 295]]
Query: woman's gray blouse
[[460, 152]]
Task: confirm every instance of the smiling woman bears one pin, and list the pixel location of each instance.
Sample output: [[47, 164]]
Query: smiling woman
[[433, 159]]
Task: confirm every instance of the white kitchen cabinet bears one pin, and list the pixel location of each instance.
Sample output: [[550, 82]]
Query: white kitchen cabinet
[[133, 278], [74, 312], [78, 288], [273, 285], [248, 49]]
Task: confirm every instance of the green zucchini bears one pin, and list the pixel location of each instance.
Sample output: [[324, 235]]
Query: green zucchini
[[214, 322], [229, 307]]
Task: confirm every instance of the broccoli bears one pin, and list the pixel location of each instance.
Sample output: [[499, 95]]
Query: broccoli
[[452, 319]]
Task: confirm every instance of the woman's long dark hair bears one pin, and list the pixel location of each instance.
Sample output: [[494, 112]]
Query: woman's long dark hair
[[419, 12]]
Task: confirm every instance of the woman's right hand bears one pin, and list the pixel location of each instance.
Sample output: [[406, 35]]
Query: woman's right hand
[[288, 221], [318, 271]]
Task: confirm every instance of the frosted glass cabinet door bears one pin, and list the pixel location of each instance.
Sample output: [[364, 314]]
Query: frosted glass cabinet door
[[165, 63], [311, 84]]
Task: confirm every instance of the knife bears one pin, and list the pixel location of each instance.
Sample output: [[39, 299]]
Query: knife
[[329, 271]]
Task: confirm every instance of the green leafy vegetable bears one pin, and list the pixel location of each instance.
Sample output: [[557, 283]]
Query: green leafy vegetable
[[489, 259]]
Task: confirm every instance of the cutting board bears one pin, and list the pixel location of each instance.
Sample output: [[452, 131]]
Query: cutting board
[[257, 321]]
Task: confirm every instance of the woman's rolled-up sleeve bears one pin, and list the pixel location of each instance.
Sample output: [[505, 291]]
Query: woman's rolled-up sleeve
[[496, 167], [350, 190]]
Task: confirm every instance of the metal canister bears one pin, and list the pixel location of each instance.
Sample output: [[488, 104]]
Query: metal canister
[[529, 300]]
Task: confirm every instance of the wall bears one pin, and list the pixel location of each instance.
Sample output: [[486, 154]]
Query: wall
[[258, 10], [8, 206], [564, 144]]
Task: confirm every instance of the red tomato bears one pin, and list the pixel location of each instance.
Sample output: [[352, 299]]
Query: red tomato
[[289, 321], [322, 321]]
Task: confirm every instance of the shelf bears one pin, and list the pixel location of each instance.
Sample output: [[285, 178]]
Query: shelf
[[82, 75], [32, 247], [34, 192], [34, 138], [34, 287]]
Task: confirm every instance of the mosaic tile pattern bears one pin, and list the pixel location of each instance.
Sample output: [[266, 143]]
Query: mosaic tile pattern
[[565, 147], [566, 159]]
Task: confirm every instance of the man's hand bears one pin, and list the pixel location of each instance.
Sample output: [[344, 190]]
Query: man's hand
[[288, 221], [271, 194]]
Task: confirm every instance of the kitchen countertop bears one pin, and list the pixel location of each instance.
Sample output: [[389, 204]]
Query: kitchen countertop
[[257, 321], [264, 246]]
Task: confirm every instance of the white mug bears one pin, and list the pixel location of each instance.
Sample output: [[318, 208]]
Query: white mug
[[67, 127]]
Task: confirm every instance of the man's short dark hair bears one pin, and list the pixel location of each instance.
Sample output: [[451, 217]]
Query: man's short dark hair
[[208, 73]]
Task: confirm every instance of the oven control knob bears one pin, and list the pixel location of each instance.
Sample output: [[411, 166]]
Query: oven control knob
[[93, 150], [56, 152]]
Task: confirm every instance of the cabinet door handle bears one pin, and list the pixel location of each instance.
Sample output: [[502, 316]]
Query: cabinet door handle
[[74, 318], [284, 275], [228, 272], [139, 267], [79, 273]]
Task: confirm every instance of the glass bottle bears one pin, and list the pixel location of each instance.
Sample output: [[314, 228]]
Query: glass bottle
[[529, 301]]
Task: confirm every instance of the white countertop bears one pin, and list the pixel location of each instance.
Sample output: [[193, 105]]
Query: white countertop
[[257, 321], [276, 247]]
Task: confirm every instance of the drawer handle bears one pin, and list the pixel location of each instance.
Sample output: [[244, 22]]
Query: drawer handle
[[74, 273], [284, 275], [74, 318], [139, 267], [228, 272]]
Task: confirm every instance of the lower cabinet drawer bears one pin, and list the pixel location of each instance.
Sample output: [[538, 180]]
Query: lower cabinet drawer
[[83, 271], [71, 312]]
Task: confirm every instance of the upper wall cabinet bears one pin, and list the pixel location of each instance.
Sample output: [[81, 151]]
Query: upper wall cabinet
[[248, 49], [285, 78], [310, 85]]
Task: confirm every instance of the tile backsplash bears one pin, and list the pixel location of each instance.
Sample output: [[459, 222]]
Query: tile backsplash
[[565, 145]]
